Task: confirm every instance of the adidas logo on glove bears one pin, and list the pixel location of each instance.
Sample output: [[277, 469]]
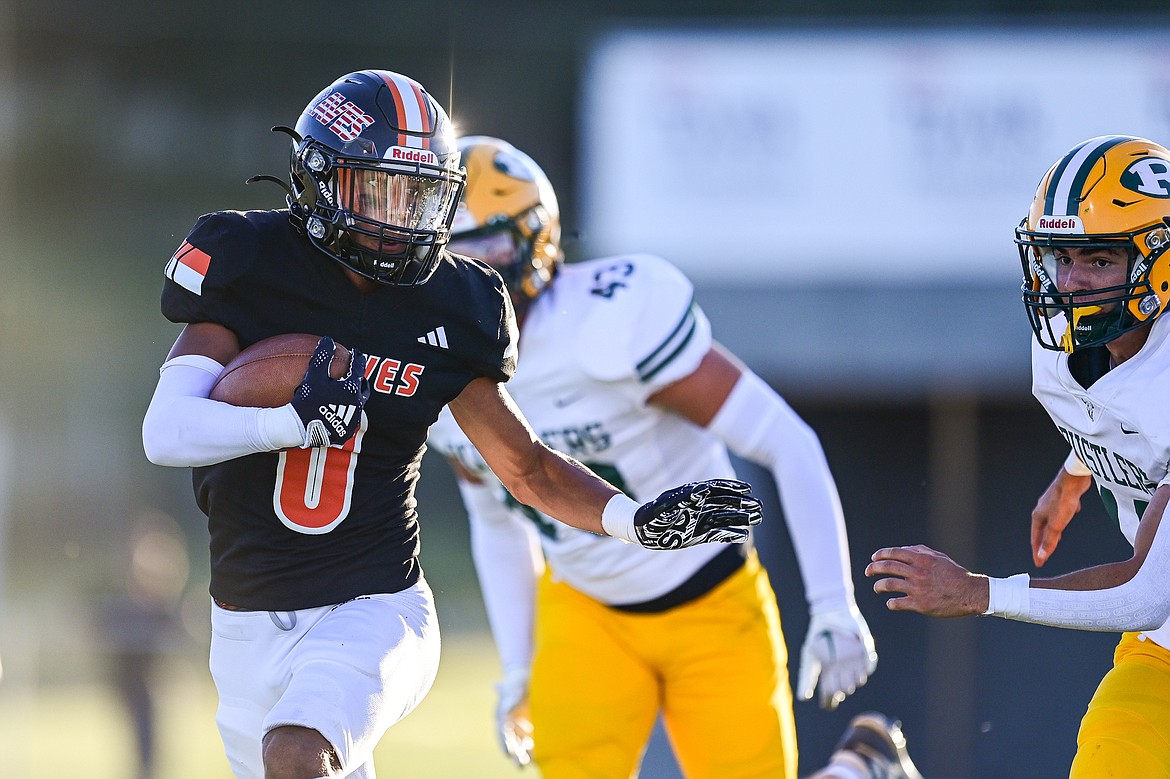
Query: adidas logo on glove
[[337, 417]]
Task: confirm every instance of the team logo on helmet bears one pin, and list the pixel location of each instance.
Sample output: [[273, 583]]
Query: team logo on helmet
[[342, 116], [1149, 176], [511, 165]]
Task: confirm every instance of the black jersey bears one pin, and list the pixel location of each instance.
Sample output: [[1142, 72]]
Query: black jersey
[[310, 527]]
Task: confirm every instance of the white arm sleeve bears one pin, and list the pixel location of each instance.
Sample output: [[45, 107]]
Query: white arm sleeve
[[1142, 603], [508, 563], [182, 427], [758, 425]]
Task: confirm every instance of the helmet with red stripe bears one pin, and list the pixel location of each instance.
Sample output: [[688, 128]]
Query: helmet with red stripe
[[1109, 194], [375, 176]]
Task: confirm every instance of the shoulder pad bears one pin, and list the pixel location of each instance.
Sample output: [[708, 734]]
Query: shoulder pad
[[641, 308]]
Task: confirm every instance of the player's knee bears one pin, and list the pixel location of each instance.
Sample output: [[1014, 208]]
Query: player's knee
[[298, 753]]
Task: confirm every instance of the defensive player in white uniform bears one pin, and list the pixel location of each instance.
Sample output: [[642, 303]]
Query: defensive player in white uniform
[[1096, 282], [618, 369]]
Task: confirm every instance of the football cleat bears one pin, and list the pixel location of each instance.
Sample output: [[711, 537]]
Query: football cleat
[[880, 744]]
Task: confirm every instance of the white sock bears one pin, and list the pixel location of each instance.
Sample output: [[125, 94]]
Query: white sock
[[844, 764]]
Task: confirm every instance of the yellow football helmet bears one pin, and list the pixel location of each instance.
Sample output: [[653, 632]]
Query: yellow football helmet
[[508, 217], [1110, 191]]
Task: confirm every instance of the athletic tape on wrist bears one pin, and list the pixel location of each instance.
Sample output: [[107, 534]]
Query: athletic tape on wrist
[[617, 519], [1008, 597]]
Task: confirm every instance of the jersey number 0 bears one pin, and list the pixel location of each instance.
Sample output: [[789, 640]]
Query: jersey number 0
[[314, 487]]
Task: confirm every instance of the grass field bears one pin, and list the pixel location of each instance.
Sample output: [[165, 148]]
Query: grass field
[[79, 730]]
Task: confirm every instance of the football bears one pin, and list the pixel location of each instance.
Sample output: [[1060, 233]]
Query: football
[[268, 372]]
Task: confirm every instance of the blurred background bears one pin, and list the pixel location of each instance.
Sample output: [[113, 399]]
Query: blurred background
[[841, 180]]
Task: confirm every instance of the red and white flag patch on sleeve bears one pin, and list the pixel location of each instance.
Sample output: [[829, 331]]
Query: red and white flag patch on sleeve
[[188, 268]]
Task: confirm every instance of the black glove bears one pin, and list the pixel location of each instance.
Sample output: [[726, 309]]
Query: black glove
[[715, 510], [331, 409]]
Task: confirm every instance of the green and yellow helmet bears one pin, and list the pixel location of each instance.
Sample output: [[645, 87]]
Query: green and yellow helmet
[[508, 217], [1114, 192]]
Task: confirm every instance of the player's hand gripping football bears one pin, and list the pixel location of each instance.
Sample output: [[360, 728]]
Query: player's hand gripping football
[[839, 652], [719, 510], [513, 724], [331, 409]]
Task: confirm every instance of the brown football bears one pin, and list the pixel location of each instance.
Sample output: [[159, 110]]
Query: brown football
[[268, 372]]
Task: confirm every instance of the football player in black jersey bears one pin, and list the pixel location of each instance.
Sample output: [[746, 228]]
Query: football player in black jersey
[[324, 631]]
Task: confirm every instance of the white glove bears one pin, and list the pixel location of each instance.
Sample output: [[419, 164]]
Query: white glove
[[839, 651], [514, 727]]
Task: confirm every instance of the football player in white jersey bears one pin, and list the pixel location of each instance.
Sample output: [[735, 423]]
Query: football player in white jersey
[[1096, 282], [618, 368]]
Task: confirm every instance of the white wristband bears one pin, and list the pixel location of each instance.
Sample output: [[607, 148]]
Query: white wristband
[[617, 519], [1075, 467], [1008, 597]]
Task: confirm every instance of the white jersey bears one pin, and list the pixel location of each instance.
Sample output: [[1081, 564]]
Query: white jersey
[[1119, 427], [600, 341]]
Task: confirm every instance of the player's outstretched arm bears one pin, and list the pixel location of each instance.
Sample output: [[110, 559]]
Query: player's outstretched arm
[[1121, 596], [755, 423], [537, 476]]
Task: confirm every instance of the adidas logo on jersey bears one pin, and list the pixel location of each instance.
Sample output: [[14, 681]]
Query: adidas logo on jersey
[[436, 337]]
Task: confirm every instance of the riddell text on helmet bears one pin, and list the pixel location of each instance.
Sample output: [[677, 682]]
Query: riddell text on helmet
[[1060, 224], [411, 155]]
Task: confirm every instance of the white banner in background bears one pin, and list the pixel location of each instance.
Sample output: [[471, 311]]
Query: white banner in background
[[829, 156]]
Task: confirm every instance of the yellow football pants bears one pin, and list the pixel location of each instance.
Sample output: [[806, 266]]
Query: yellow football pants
[[1126, 731], [716, 667]]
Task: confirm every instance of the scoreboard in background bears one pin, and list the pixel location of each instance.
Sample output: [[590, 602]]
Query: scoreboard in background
[[878, 156]]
